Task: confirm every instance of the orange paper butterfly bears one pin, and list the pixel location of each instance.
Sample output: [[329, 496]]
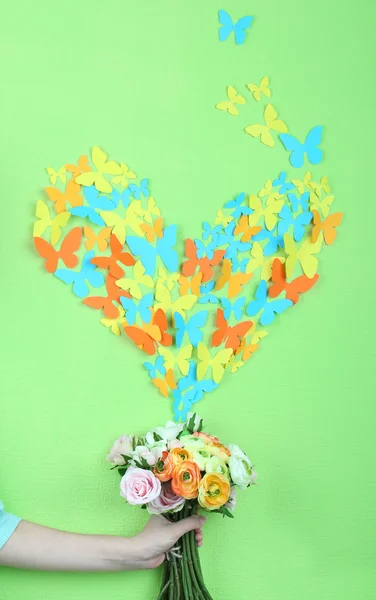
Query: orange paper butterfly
[[293, 288], [205, 265], [152, 231], [235, 280], [71, 195], [148, 336], [101, 239], [232, 335], [114, 294], [81, 167], [192, 284], [117, 254], [243, 227], [327, 226], [165, 384], [68, 247]]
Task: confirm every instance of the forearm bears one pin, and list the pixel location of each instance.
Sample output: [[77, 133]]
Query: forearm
[[36, 547]]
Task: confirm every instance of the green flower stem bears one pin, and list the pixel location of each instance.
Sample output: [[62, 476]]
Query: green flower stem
[[197, 567]]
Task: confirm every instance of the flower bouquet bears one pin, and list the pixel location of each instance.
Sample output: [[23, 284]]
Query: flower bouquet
[[175, 471]]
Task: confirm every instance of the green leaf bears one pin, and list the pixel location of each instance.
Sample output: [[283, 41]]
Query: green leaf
[[191, 423], [157, 438], [226, 512], [126, 458], [199, 428], [122, 471]]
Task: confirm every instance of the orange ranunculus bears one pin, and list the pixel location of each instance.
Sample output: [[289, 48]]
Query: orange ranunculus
[[213, 491], [164, 467], [186, 479], [210, 440], [178, 455]]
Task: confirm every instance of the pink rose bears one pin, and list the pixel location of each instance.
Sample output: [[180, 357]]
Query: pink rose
[[139, 486], [167, 501], [123, 445], [232, 499]]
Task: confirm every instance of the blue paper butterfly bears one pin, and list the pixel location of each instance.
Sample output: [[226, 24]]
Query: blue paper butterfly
[[143, 189], [78, 278], [191, 327], [148, 253], [240, 265], [203, 250], [236, 246], [158, 367], [228, 26], [124, 197], [298, 224], [237, 205], [269, 309], [309, 147], [212, 232], [143, 308], [236, 308], [227, 236], [189, 391], [206, 297], [296, 202], [95, 201], [274, 241], [284, 186]]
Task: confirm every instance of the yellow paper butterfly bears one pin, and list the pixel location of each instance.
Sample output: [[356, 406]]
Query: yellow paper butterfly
[[217, 363], [126, 174], [233, 98], [322, 206], [164, 301], [256, 335], [181, 359], [139, 278], [92, 238], [271, 124], [168, 279], [271, 193], [269, 212], [303, 254], [116, 324], [104, 167], [55, 175], [56, 224], [302, 185], [148, 213], [222, 219], [259, 260], [119, 224], [234, 364], [261, 89], [321, 187]]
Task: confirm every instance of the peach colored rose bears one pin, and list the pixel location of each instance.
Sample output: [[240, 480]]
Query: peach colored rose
[[186, 479], [213, 491], [213, 442], [164, 467]]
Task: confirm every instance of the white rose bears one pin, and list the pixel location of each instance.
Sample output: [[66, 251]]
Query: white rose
[[123, 445], [170, 431], [240, 467], [196, 421]]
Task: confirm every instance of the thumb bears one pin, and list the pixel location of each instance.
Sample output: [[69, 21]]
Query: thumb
[[188, 524]]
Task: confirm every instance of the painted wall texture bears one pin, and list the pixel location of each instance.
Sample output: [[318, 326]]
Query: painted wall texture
[[141, 80]]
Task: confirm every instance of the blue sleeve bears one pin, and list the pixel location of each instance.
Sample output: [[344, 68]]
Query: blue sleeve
[[8, 524]]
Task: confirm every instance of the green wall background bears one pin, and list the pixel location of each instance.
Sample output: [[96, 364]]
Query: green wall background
[[141, 80]]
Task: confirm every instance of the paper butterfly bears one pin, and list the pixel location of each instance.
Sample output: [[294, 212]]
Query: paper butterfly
[[284, 186], [228, 26], [117, 255], [115, 325], [257, 90], [104, 167], [55, 175], [303, 254], [204, 264], [190, 390], [79, 278], [133, 283], [142, 308], [205, 296], [157, 367], [192, 327], [56, 223], [71, 195], [235, 307], [190, 284], [301, 202], [271, 124], [126, 174], [268, 309], [181, 359], [293, 288], [232, 335], [217, 362], [238, 206], [164, 249], [107, 302], [298, 223], [275, 241], [67, 253], [327, 227], [92, 238], [299, 150], [164, 300], [141, 190], [96, 202], [233, 99]]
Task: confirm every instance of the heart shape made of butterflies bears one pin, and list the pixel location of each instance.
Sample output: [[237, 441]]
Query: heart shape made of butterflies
[[103, 234]]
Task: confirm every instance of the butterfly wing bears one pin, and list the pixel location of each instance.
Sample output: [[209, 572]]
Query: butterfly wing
[[203, 355], [274, 307], [238, 308], [293, 145], [130, 309], [298, 286], [240, 29], [145, 251], [180, 328], [313, 139], [227, 25], [278, 278], [218, 363], [299, 225], [222, 325], [144, 307], [141, 339], [166, 251], [194, 325]]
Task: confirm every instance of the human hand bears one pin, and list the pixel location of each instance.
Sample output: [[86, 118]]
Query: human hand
[[159, 536]]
